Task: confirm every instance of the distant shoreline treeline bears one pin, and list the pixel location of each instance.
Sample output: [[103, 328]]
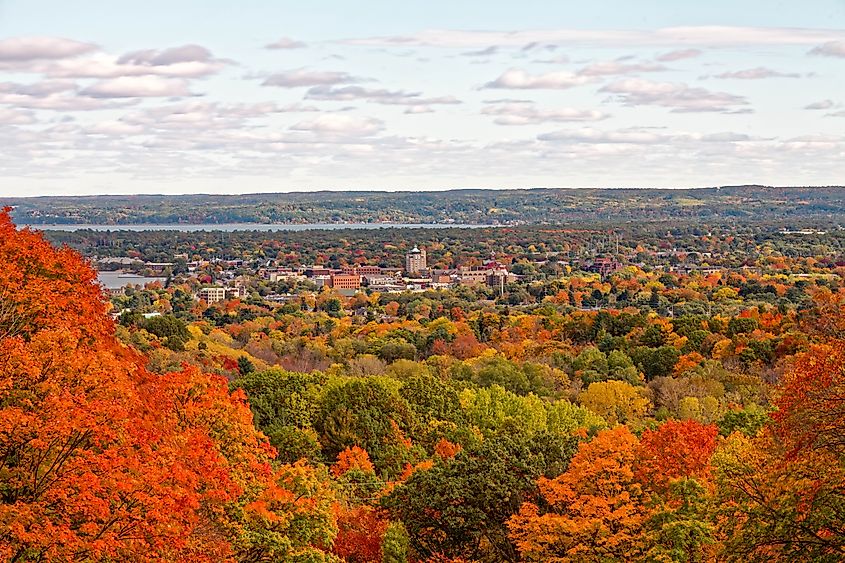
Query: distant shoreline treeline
[[470, 206]]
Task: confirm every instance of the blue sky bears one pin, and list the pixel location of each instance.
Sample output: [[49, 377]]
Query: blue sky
[[236, 97]]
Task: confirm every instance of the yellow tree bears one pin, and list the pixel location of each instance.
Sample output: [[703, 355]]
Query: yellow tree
[[616, 401]]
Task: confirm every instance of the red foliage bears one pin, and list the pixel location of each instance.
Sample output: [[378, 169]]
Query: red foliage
[[811, 401], [360, 533], [676, 449], [101, 459]]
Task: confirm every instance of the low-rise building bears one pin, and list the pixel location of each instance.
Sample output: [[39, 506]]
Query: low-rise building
[[345, 281], [212, 295], [362, 270]]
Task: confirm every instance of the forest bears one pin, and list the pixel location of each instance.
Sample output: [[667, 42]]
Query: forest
[[468, 206], [652, 414]]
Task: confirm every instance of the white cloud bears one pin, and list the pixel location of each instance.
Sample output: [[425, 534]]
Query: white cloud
[[713, 36], [823, 104], [301, 77], [679, 54], [138, 87], [286, 43], [528, 114], [16, 117], [341, 124], [756, 74], [419, 109], [608, 68], [830, 49], [643, 136], [165, 57], [201, 115], [375, 95], [556, 60], [519, 79], [114, 128], [57, 95], [186, 61], [22, 49], [677, 96], [590, 135]]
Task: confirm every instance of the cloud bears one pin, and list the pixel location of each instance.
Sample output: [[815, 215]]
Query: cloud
[[201, 115], [375, 95], [608, 68], [639, 136], [16, 117], [756, 74], [528, 114], [712, 36], [590, 135], [38, 89], [186, 61], [419, 109], [836, 114], [679, 54], [285, 43], [823, 104], [830, 49], [301, 77], [341, 124], [725, 137], [556, 60], [22, 49], [57, 95], [519, 79], [174, 55], [137, 87], [486, 52], [114, 128], [677, 96]]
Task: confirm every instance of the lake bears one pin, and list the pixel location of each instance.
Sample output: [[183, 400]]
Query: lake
[[118, 279], [230, 227]]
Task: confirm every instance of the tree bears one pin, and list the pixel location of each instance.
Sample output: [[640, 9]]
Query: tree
[[363, 412], [673, 451], [245, 365], [615, 401], [361, 533], [352, 458], [395, 544], [783, 491], [595, 511], [459, 507], [103, 460]]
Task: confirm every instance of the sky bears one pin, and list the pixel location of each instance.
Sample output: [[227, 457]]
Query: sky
[[253, 96]]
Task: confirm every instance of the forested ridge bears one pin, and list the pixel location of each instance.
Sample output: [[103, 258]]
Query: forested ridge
[[422, 427], [539, 205]]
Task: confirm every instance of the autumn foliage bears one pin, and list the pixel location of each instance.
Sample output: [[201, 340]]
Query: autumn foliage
[[102, 460], [677, 449], [596, 508]]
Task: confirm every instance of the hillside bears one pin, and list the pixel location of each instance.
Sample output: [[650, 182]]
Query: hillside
[[488, 207]]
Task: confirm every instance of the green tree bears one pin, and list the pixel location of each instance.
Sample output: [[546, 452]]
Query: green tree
[[395, 544], [459, 507]]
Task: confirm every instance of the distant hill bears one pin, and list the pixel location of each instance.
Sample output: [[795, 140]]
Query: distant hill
[[476, 206]]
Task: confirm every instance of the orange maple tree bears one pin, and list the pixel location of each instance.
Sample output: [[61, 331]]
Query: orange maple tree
[[100, 459], [674, 450], [596, 510], [353, 457]]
